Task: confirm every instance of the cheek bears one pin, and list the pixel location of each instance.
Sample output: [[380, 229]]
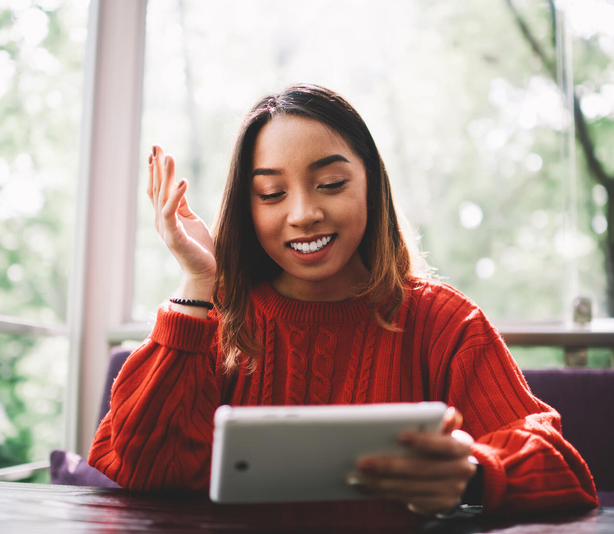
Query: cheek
[[264, 225], [355, 212]]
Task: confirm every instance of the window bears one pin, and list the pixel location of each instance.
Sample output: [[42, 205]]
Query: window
[[470, 122], [42, 48], [468, 119]]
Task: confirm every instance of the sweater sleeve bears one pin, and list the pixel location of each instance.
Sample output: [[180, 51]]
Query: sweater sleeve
[[528, 465], [158, 431]]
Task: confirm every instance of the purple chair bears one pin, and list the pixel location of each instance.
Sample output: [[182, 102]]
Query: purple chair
[[68, 467], [585, 400]]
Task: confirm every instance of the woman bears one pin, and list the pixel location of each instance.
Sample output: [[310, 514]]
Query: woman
[[318, 301]]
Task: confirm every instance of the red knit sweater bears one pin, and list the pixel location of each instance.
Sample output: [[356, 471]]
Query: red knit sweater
[[158, 432]]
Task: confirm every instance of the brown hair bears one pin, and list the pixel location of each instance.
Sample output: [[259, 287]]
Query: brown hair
[[241, 260]]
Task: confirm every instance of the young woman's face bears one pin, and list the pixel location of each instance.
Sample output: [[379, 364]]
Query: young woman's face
[[309, 207]]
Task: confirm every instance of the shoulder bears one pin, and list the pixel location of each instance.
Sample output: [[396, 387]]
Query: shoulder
[[438, 311], [431, 295]]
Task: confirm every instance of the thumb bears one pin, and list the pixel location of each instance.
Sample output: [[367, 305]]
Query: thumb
[[452, 420]]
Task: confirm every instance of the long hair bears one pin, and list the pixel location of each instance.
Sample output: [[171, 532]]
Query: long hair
[[241, 260]]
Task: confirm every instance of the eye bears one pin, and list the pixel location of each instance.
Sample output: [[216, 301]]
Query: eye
[[334, 185], [271, 196]]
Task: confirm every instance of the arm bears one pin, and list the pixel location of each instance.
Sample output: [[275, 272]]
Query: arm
[[524, 461], [528, 466], [158, 432]]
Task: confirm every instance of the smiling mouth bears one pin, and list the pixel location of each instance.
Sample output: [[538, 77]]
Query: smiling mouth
[[313, 246]]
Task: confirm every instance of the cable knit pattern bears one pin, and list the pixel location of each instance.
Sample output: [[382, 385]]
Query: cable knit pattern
[[254, 390], [158, 432], [323, 365], [269, 358], [297, 364], [367, 362], [350, 381]]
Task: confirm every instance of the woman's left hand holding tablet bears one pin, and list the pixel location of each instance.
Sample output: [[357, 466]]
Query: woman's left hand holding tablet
[[430, 479]]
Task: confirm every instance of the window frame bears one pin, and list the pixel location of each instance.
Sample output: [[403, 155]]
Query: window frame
[[97, 337], [101, 281], [100, 289]]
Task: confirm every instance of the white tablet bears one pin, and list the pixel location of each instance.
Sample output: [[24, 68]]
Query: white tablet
[[304, 453]]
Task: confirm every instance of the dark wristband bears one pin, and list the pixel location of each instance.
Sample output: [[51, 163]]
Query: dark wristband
[[474, 493], [196, 303], [470, 503]]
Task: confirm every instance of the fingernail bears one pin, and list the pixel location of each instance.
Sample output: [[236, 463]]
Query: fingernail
[[150, 159], [354, 481], [366, 464], [154, 151], [181, 183]]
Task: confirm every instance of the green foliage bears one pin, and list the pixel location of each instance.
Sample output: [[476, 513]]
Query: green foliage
[[39, 113], [32, 381], [41, 59]]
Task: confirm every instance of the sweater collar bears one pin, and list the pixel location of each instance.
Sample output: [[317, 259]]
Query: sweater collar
[[273, 304]]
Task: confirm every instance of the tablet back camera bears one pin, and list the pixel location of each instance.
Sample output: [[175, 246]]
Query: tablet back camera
[[241, 465]]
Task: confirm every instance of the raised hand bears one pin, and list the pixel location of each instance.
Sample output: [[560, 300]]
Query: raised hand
[[185, 234], [430, 479]]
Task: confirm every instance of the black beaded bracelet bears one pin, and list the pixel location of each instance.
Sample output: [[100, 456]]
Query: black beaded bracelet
[[197, 303]]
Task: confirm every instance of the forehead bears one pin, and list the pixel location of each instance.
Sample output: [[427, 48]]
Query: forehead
[[292, 137]]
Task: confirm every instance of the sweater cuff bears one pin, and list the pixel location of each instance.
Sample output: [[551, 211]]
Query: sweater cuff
[[182, 332], [495, 479]]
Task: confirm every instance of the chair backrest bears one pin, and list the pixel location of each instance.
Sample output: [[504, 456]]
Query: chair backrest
[[116, 359], [585, 400]]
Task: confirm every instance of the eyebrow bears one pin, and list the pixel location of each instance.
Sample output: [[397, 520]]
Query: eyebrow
[[318, 164], [328, 160]]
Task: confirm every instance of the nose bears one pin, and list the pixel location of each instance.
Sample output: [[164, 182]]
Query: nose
[[304, 211]]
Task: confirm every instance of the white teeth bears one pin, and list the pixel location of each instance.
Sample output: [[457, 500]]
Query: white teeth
[[314, 246]]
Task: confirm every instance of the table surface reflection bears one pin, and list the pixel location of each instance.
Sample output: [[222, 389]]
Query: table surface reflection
[[44, 508]]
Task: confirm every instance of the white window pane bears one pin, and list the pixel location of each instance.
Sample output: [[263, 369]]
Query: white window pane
[[41, 56], [468, 123]]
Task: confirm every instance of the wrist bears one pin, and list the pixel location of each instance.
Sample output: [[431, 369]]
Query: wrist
[[474, 492], [193, 288], [471, 501]]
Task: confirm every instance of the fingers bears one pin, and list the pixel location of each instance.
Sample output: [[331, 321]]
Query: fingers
[[430, 478], [167, 183], [462, 437], [455, 445], [453, 420], [157, 154], [415, 488], [424, 496], [417, 468], [176, 196], [163, 175], [161, 180], [150, 179]]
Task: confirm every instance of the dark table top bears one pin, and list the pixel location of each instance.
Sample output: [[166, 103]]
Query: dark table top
[[28, 508]]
